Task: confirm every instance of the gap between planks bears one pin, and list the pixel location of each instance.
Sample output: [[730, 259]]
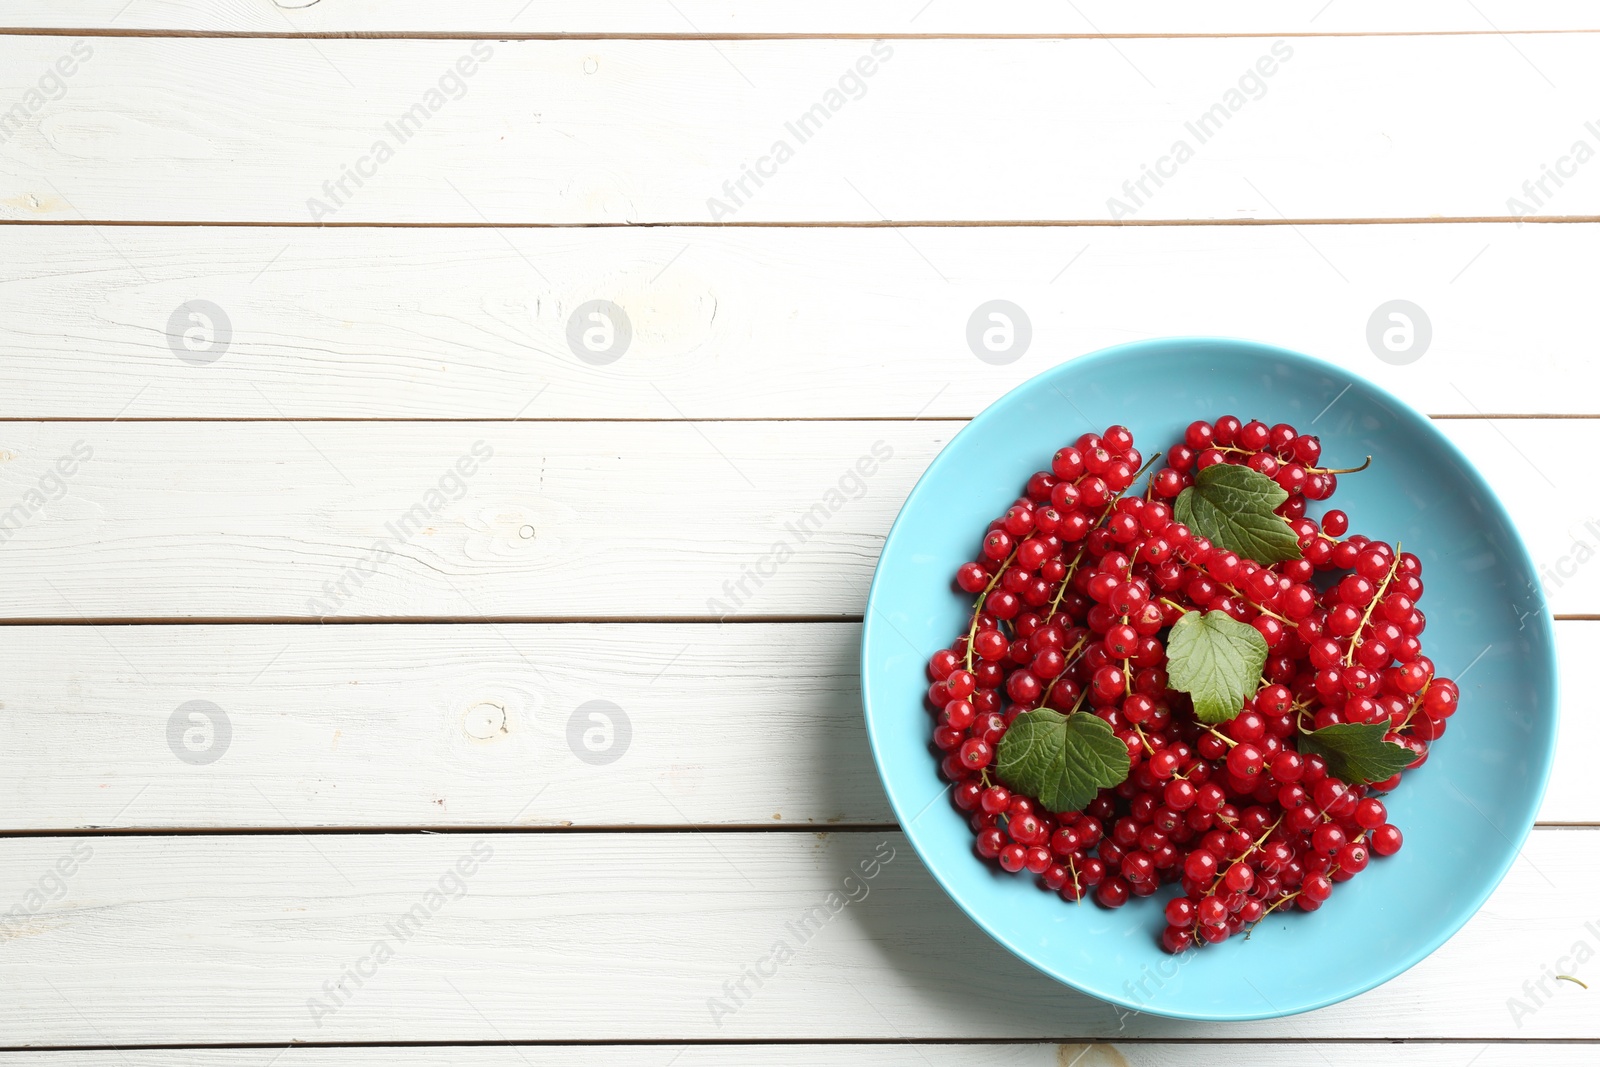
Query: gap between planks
[[463, 830], [1482, 416], [451, 620], [1076, 1039], [828, 224], [480, 620], [444, 35], [458, 830]]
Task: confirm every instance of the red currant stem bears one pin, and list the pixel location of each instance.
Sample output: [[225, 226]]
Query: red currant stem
[[1245, 854], [1355, 639], [1072, 866], [1415, 704], [1569, 978], [1151, 462], [1230, 741], [977, 609], [1055, 604], [1250, 601], [1070, 658], [1112, 503], [1341, 470], [1179, 607], [1280, 902], [1271, 614]]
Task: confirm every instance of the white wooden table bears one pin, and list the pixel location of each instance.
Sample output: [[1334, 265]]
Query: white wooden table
[[400, 664]]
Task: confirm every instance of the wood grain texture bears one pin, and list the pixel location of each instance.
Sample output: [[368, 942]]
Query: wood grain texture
[[594, 520], [741, 323], [436, 726], [574, 937], [822, 17], [353, 519], [650, 131], [467, 725], [545, 935]]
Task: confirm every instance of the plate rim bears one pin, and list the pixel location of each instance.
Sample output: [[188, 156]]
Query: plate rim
[[1522, 556]]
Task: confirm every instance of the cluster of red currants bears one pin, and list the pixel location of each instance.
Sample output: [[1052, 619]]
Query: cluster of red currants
[[1077, 585]]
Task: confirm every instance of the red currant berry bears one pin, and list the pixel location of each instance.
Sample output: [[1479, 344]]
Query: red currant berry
[[1386, 839], [972, 578], [1352, 858], [1246, 761], [1113, 892], [1370, 813], [975, 754], [1200, 865], [997, 545]]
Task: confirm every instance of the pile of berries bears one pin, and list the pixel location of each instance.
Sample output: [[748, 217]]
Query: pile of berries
[[1077, 585]]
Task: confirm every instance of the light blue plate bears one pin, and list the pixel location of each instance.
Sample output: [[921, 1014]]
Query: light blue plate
[[1465, 813]]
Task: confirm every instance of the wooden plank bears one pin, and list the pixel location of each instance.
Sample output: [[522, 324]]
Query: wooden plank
[[651, 131], [381, 323], [824, 16], [378, 519], [965, 1054], [541, 936], [466, 725], [595, 520], [436, 726]]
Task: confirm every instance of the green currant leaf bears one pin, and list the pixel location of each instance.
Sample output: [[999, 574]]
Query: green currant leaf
[[1064, 760], [1217, 660], [1231, 506], [1356, 752]]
